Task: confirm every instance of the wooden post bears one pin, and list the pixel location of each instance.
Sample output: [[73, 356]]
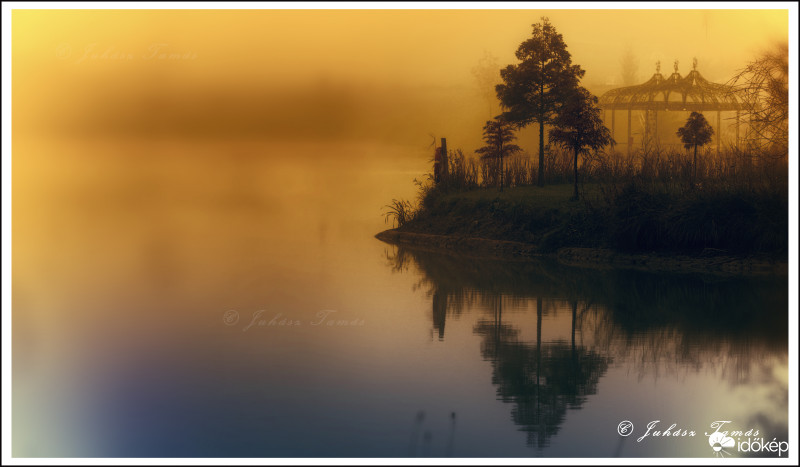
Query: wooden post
[[613, 114], [655, 125], [629, 132], [445, 164]]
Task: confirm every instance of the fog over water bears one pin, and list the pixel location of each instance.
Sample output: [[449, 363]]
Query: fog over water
[[395, 75]]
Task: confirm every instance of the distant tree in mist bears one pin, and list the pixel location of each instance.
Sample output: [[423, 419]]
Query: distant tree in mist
[[629, 67], [534, 89], [764, 87], [696, 132], [487, 76], [499, 137], [578, 127]]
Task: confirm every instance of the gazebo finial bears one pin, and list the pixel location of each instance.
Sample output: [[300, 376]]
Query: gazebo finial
[[675, 65], [694, 63], [658, 66]]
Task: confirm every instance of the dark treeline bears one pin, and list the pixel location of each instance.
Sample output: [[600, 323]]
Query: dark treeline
[[651, 198]]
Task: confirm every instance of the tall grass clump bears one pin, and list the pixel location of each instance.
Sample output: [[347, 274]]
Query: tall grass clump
[[400, 211], [463, 172]]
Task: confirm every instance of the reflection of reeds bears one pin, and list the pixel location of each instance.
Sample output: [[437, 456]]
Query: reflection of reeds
[[412, 447], [674, 351], [452, 437], [658, 324]]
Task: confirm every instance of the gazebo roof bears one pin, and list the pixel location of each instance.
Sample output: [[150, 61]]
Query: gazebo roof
[[690, 93]]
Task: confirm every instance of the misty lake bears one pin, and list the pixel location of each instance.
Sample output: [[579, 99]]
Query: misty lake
[[210, 299]]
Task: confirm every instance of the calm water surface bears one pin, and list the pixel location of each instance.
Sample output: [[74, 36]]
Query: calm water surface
[[217, 299]]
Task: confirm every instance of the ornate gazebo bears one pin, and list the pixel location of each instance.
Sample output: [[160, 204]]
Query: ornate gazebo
[[691, 93]]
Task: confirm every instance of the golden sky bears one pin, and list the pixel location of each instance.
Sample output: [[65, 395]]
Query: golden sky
[[149, 70]]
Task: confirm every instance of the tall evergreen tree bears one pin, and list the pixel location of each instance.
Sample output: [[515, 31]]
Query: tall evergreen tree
[[579, 128], [534, 89], [498, 136]]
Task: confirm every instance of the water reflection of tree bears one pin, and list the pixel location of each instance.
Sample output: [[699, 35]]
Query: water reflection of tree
[[541, 380], [658, 325]]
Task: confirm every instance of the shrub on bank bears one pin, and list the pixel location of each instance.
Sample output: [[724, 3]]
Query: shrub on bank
[[736, 221]]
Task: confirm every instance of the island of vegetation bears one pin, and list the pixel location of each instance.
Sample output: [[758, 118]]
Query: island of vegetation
[[587, 201]]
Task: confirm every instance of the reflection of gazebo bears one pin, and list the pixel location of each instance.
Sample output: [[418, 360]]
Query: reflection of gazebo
[[691, 93]]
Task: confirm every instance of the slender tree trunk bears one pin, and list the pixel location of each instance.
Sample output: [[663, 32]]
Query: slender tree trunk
[[500, 154], [575, 195], [502, 174], [541, 127], [694, 166], [541, 153]]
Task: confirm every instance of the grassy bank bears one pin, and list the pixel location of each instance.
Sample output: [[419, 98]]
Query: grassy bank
[[630, 217]]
